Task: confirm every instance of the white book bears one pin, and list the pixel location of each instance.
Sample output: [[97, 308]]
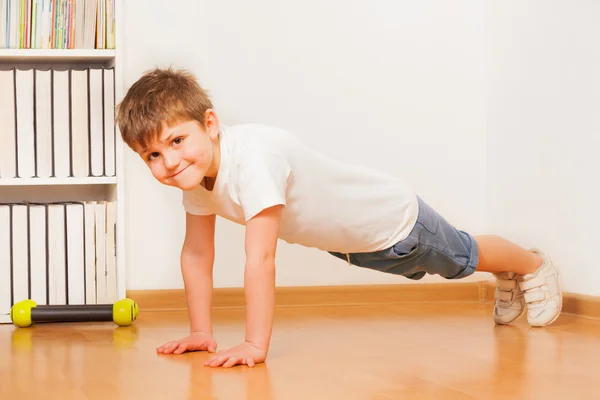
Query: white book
[[101, 25], [61, 146], [90, 23], [109, 122], [20, 260], [46, 24], [3, 24], [90, 252], [8, 150], [13, 24], [57, 273], [43, 130], [25, 136], [110, 24], [79, 122], [38, 26], [37, 235], [75, 256], [101, 284], [5, 280], [96, 122], [37, 38], [79, 20], [111, 262]]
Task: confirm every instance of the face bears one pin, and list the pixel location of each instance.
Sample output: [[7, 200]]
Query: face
[[183, 154]]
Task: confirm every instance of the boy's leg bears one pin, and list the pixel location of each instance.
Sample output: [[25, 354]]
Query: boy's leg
[[524, 276], [500, 255]]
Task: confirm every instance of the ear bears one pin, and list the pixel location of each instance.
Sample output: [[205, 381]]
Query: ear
[[211, 123]]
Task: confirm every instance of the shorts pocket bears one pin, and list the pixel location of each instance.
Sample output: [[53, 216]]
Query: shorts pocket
[[407, 246]]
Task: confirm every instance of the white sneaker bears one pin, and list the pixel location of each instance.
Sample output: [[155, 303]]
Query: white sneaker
[[510, 303], [542, 293]]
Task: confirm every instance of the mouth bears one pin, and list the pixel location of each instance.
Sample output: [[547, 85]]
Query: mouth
[[178, 172]]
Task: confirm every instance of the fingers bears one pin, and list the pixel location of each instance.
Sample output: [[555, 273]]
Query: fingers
[[210, 346], [181, 346], [233, 361], [180, 349], [217, 360], [168, 347], [228, 361]]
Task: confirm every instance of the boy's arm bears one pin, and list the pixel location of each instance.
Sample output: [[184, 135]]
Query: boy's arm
[[259, 276], [259, 282], [197, 259]]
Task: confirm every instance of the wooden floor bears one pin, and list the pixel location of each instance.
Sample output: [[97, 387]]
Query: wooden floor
[[411, 351]]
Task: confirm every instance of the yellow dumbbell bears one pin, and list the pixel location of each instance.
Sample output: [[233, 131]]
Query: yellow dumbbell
[[27, 312]]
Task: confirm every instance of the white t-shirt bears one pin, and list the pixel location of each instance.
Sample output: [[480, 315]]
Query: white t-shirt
[[329, 205]]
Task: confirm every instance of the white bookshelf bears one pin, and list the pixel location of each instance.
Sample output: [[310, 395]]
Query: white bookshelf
[[76, 189]]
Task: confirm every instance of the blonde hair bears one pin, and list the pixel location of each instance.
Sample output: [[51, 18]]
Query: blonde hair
[[160, 96]]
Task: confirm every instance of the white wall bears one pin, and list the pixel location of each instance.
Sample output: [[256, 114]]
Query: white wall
[[544, 131], [397, 86]]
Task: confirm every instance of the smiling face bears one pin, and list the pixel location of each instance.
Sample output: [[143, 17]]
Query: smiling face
[[184, 154], [168, 119]]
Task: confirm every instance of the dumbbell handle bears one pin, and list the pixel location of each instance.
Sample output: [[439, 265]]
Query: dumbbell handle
[[75, 314], [75, 306]]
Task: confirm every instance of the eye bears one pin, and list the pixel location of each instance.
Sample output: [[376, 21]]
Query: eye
[[151, 156], [178, 140]]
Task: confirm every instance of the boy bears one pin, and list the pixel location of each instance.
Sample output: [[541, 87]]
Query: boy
[[267, 180]]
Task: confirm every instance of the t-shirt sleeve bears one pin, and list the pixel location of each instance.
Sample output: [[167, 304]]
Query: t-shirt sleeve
[[193, 205], [262, 183]]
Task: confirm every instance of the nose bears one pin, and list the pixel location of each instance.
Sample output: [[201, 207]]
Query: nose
[[171, 160]]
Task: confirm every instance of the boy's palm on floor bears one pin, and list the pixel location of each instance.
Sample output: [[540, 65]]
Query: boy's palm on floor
[[199, 341], [245, 353]]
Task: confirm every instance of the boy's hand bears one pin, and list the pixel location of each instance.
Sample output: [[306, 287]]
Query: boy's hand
[[197, 341], [245, 353]]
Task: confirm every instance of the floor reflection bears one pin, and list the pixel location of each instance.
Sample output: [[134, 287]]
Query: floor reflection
[[239, 382]]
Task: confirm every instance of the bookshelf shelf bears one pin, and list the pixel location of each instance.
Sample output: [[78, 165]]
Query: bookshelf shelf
[[53, 55], [111, 180]]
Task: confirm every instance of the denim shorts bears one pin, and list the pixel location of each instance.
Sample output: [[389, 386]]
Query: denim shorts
[[433, 247]]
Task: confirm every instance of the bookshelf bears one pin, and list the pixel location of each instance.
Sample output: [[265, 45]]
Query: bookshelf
[[69, 212]]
